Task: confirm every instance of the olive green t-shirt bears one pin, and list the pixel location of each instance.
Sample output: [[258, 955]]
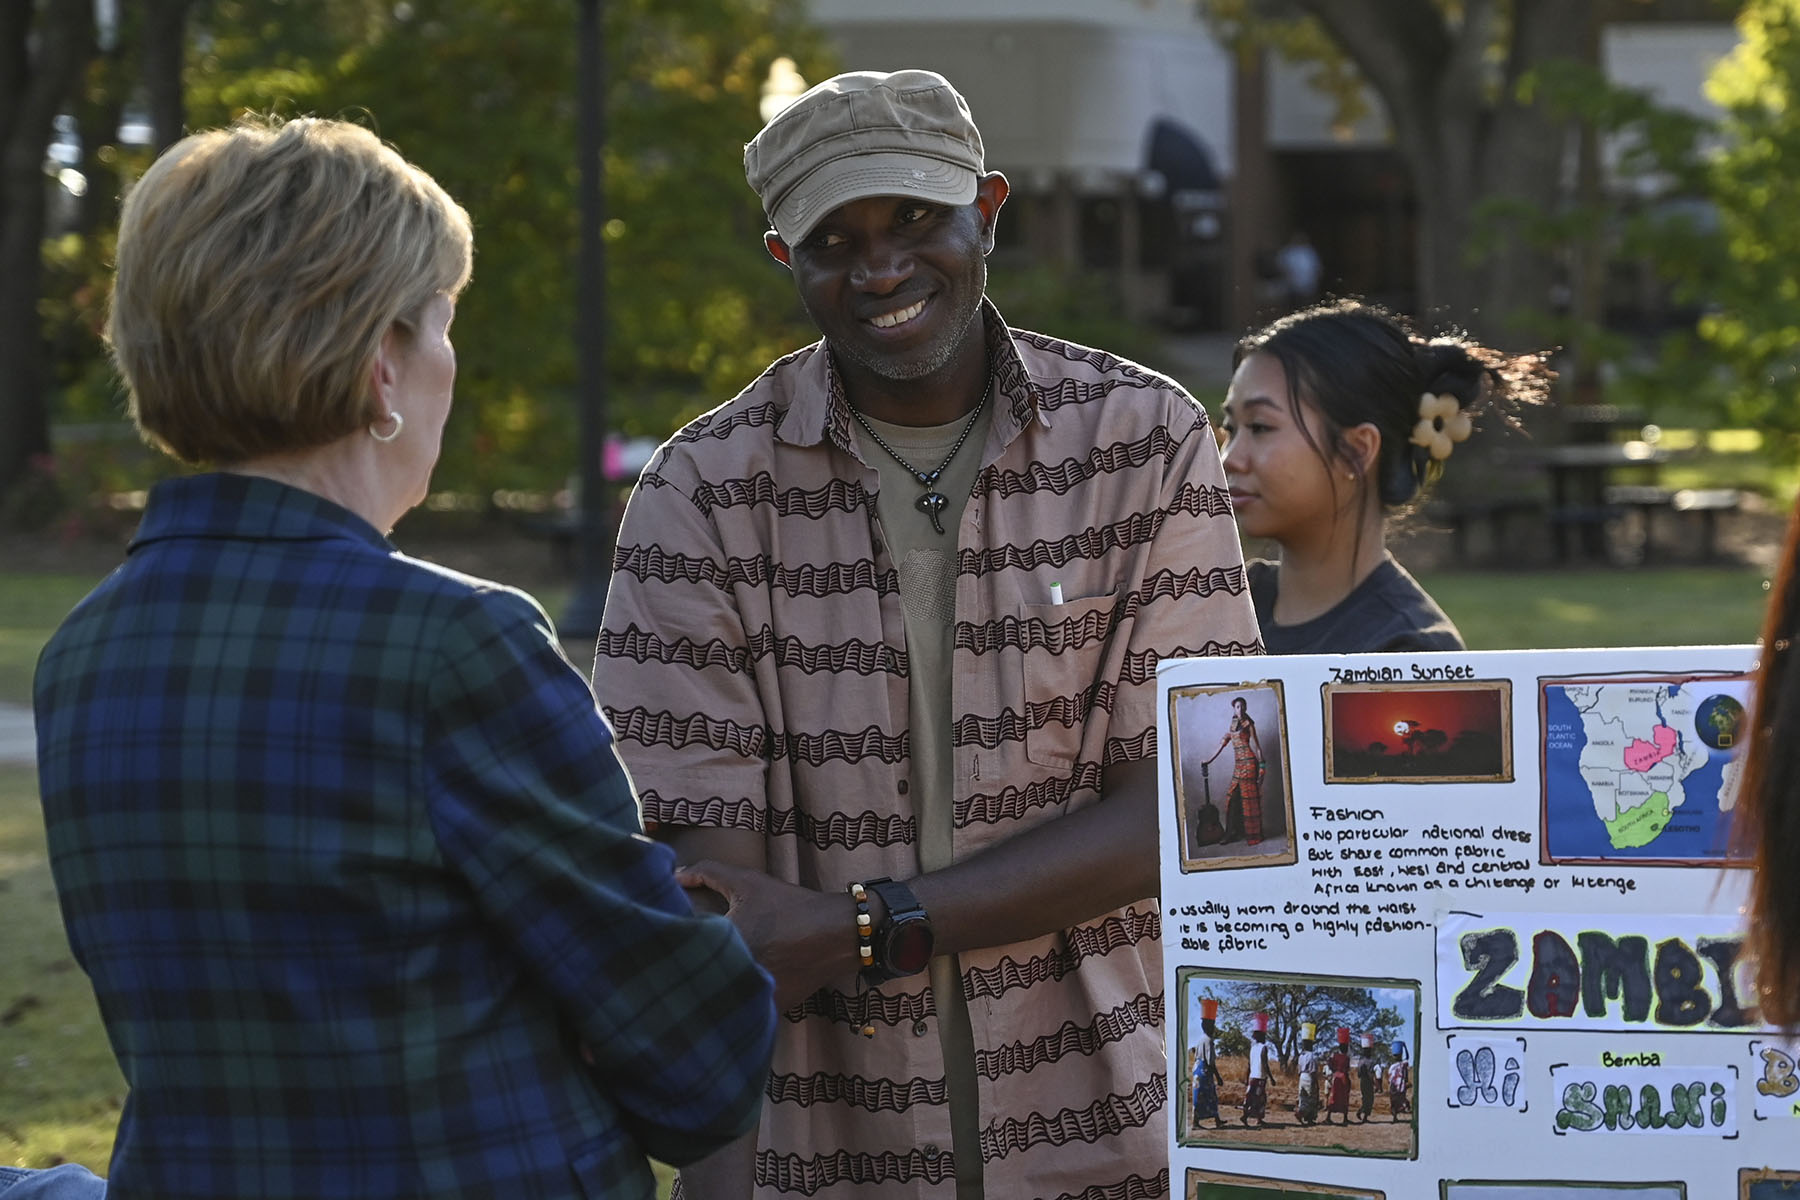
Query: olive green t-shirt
[[927, 564]]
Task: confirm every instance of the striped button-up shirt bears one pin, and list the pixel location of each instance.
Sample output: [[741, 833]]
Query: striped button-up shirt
[[342, 842], [753, 661]]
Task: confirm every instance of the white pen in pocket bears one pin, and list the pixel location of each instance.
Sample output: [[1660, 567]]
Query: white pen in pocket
[[1056, 593]]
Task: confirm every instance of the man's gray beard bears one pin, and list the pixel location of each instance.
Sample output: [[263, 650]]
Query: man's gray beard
[[934, 359]]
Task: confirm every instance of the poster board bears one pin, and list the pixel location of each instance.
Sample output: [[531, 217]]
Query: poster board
[[1501, 888]]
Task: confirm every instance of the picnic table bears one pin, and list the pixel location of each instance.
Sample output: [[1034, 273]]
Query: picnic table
[[1581, 475]]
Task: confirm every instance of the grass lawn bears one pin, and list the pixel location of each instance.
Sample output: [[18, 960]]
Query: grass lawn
[[1689, 606], [31, 606], [60, 1091]]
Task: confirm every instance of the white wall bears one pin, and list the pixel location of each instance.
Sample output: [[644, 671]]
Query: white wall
[[1114, 14], [1303, 118], [1060, 85], [1669, 61], [1059, 95]]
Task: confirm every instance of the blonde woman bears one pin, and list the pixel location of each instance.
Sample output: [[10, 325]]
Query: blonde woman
[[340, 837]]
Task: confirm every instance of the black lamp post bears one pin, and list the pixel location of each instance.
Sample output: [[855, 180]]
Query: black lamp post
[[594, 519]]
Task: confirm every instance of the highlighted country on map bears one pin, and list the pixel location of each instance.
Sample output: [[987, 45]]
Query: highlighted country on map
[[1642, 755], [1639, 826]]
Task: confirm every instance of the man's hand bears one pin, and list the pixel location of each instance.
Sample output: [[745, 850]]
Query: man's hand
[[802, 937], [1058, 874]]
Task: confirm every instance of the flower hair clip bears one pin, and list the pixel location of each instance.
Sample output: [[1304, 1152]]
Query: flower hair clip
[[1442, 423]]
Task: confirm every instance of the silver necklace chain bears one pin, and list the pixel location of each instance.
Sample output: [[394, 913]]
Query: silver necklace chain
[[933, 501]]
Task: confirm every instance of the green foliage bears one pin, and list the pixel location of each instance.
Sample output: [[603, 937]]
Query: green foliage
[[482, 94], [60, 1090], [1655, 212], [1754, 183], [1250, 25], [1077, 307], [1233, 1042]]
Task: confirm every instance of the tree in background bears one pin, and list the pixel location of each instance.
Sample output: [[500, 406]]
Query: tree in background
[[1455, 81], [1753, 181], [44, 47], [1290, 1005], [481, 94]]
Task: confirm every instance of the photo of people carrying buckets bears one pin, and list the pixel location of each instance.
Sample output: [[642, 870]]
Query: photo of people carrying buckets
[[1298, 1063]]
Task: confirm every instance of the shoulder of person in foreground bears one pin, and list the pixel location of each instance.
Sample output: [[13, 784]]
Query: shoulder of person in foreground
[[1073, 374], [1443, 637], [671, 664], [1158, 498], [1413, 620], [712, 443], [530, 805], [1142, 418]]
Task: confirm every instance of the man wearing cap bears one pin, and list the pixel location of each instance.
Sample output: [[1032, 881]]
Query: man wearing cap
[[880, 651]]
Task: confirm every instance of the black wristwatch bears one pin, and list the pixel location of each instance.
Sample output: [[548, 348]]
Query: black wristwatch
[[903, 940]]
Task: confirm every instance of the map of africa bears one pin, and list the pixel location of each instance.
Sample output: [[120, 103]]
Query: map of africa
[[1642, 768]]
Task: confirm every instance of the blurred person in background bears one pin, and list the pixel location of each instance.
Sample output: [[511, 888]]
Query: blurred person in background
[[339, 836], [1301, 270]]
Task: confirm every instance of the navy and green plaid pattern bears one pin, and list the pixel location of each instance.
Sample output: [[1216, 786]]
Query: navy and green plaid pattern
[[342, 842]]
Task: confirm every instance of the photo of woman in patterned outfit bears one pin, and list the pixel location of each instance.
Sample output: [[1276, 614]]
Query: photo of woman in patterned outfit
[[1243, 807], [1234, 804]]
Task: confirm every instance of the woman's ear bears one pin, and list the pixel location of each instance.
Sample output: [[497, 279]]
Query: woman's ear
[[1361, 449], [384, 369]]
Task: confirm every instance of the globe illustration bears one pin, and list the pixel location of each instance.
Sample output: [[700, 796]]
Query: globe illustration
[[1719, 720]]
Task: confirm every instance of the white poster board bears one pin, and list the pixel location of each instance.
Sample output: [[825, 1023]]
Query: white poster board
[[1499, 887]]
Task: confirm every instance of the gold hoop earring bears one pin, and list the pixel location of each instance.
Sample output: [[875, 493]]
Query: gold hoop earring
[[399, 424]]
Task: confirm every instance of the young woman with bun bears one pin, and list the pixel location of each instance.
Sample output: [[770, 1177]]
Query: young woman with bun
[[1339, 415]]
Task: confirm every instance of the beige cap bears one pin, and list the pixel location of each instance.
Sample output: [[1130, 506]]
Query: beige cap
[[865, 133]]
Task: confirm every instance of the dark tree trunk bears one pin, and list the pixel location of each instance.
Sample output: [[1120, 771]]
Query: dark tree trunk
[[43, 48], [97, 115], [165, 41], [1470, 142]]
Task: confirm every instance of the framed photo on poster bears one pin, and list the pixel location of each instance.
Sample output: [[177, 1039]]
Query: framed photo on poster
[[1419, 732], [1218, 1185], [1234, 796]]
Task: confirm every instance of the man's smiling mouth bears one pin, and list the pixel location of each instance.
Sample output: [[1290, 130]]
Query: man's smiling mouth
[[900, 317]]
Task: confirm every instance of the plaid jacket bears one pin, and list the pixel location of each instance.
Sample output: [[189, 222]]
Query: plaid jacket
[[342, 842]]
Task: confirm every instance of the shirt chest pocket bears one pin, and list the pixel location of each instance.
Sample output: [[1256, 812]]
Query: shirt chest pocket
[[1065, 649]]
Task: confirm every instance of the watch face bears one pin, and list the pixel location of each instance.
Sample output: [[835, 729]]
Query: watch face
[[909, 947]]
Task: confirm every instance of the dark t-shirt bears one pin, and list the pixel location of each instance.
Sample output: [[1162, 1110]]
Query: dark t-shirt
[[1386, 611]]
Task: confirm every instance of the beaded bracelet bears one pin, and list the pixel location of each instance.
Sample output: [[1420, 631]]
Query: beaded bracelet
[[865, 947], [865, 926]]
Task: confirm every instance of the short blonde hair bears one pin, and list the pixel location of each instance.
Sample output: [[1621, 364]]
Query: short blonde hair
[[259, 268]]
